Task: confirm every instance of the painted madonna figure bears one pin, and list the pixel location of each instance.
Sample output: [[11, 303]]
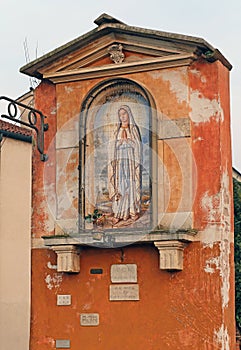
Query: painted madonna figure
[[125, 168]]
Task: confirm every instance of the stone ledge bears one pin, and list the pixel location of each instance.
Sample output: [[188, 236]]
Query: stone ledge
[[112, 240], [169, 244]]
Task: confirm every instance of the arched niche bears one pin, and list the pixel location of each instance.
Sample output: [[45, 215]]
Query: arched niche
[[100, 130]]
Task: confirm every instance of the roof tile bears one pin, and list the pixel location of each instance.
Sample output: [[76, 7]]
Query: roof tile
[[9, 127]]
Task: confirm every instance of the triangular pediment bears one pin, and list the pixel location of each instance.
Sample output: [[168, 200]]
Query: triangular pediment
[[114, 45], [97, 53]]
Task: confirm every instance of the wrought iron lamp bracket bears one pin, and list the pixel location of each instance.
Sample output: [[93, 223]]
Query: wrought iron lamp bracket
[[35, 121]]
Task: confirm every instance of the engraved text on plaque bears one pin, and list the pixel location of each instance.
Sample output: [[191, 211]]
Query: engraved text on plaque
[[124, 292], [123, 273]]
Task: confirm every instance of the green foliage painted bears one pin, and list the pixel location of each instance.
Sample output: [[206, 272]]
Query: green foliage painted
[[237, 247]]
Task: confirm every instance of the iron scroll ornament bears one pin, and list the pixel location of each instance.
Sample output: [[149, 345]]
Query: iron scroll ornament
[[35, 122]]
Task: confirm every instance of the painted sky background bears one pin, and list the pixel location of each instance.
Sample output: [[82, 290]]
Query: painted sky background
[[48, 24]]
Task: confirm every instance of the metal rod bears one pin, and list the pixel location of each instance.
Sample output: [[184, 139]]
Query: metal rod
[[35, 122]]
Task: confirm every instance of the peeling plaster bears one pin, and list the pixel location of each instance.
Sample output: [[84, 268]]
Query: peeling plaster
[[221, 263], [54, 281], [226, 200], [68, 89], [213, 233], [177, 85], [208, 268], [53, 110], [225, 271], [176, 79], [212, 206], [195, 72], [48, 220], [203, 109], [198, 73], [87, 306], [51, 267], [222, 338], [198, 139], [45, 340], [42, 210], [218, 212]]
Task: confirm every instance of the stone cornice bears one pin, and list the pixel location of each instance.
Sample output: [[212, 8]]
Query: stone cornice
[[121, 69]]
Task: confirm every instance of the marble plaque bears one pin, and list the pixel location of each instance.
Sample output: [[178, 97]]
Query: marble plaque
[[89, 319], [62, 344], [124, 292], [123, 273]]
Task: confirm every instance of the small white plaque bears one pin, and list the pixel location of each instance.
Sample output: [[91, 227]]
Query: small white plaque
[[124, 292], [123, 273], [63, 299], [62, 344], [89, 319]]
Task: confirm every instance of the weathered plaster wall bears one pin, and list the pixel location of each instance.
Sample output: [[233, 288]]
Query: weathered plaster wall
[[44, 174], [175, 311], [15, 243], [191, 309], [213, 202]]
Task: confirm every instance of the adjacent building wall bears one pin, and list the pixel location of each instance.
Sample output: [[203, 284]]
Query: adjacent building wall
[[15, 241]]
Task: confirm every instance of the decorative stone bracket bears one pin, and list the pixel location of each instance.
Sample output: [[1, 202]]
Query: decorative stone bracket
[[67, 258], [170, 246], [171, 254]]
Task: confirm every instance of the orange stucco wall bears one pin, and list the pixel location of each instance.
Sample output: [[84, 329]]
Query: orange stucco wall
[[190, 309], [175, 311]]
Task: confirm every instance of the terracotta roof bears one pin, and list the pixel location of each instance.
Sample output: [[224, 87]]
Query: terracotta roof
[[15, 129]]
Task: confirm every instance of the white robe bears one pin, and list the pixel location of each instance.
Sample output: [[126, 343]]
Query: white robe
[[125, 174]]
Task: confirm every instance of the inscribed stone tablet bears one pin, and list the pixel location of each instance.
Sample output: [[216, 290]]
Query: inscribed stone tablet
[[123, 273], [124, 292], [62, 344], [89, 319]]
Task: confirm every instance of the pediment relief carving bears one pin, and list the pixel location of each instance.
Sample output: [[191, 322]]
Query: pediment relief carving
[[116, 53], [124, 48]]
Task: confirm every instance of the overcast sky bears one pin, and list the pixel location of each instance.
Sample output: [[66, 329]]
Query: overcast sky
[[47, 24]]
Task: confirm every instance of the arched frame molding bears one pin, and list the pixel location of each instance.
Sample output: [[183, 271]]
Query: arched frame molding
[[114, 92]]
